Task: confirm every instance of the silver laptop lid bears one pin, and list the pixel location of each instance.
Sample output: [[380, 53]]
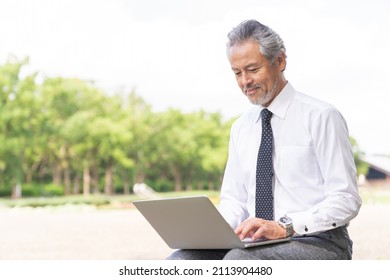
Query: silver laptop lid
[[189, 223]]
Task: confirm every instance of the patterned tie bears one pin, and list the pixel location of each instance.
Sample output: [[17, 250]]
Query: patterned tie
[[264, 196]]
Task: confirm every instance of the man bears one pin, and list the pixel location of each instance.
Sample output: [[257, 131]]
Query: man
[[290, 170]]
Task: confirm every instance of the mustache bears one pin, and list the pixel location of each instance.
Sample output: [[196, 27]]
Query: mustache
[[251, 86]]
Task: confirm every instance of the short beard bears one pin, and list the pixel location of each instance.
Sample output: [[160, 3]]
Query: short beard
[[267, 97]]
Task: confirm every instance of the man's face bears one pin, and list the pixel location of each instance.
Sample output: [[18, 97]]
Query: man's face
[[259, 79]]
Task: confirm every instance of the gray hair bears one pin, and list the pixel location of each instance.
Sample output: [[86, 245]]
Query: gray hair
[[269, 41]]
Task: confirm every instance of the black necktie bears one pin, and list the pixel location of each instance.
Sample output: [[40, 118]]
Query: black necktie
[[264, 196]]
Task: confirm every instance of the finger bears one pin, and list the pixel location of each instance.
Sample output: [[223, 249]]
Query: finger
[[238, 229], [241, 226], [242, 230], [250, 227], [267, 230], [258, 234]]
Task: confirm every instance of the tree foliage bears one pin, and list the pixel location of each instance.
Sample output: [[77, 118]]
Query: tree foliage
[[68, 133]]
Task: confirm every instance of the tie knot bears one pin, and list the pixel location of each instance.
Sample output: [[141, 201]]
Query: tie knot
[[266, 116]]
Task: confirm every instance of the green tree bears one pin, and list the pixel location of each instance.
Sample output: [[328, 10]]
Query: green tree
[[138, 120], [19, 124], [111, 139], [173, 145], [212, 140], [61, 100]]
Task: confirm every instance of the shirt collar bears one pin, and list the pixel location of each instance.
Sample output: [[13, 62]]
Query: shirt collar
[[280, 104]]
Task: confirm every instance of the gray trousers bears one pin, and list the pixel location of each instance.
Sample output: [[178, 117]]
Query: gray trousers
[[333, 244]]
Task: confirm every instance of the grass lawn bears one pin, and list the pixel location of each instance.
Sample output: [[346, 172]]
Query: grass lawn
[[99, 200], [370, 195]]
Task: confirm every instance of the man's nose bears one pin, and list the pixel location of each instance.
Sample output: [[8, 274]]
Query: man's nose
[[246, 79]]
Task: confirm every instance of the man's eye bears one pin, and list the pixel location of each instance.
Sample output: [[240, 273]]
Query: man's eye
[[237, 73], [253, 70]]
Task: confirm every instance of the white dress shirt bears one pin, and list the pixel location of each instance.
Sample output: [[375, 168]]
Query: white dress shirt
[[314, 178]]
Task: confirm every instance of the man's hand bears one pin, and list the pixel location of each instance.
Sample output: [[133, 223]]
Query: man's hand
[[256, 228]]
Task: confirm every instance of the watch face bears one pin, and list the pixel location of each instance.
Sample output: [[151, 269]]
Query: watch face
[[285, 220]]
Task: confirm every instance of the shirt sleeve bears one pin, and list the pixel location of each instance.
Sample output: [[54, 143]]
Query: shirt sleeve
[[335, 158], [233, 196]]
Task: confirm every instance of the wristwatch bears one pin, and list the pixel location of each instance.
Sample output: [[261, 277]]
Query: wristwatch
[[287, 223]]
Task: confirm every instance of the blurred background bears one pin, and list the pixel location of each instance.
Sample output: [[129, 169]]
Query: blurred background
[[99, 96]]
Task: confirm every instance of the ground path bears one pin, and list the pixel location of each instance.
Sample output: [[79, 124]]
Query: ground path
[[83, 232]]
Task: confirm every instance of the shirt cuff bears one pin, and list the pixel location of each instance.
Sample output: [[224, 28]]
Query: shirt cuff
[[304, 223]]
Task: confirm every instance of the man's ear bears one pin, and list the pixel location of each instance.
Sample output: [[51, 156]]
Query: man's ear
[[282, 62]]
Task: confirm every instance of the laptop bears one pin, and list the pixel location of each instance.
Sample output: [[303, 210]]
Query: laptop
[[193, 223]]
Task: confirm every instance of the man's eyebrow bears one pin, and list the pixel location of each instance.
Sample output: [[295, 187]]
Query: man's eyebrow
[[253, 65]]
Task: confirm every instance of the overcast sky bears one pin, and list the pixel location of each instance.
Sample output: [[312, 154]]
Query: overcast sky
[[173, 51]]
